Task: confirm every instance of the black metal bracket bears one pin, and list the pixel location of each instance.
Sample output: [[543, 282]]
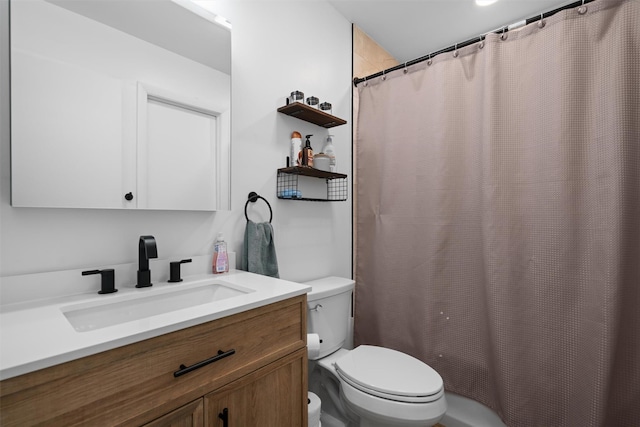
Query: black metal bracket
[[186, 369], [253, 197]]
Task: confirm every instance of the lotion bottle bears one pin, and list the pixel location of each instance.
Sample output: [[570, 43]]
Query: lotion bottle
[[220, 257], [329, 151]]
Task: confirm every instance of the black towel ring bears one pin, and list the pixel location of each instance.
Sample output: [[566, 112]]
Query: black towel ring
[[253, 197]]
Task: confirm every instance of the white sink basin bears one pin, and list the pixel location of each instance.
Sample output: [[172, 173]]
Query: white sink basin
[[97, 315]]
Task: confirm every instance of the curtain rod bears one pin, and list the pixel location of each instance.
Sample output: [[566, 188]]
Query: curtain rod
[[501, 30]]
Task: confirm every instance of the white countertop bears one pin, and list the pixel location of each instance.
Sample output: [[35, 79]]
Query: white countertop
[[36, 334]]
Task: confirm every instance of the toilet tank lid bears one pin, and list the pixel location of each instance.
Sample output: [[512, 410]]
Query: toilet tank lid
[[329, 286]]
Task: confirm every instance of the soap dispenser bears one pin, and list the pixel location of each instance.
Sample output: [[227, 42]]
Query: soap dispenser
[[220, 256], [329, 151], [307, 153]]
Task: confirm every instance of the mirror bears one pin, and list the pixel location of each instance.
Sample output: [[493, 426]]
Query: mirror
[[119, 105]]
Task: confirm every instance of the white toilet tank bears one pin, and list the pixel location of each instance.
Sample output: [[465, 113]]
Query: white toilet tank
[[329, 312]]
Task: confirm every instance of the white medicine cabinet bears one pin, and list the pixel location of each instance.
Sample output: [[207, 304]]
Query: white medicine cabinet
[[104, 119]]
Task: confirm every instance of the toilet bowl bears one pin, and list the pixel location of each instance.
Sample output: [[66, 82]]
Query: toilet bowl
[[378, 387]]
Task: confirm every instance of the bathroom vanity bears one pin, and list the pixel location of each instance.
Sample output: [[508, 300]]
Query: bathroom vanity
[[244, 369]]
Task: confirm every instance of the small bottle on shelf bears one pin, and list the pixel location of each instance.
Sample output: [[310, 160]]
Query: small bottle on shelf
[[329, 151], [296, 148], [307, 153]]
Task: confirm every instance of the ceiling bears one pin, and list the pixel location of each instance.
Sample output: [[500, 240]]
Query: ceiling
[[410, 29], [163, 23]]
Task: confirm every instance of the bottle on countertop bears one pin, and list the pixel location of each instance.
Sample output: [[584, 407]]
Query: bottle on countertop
[[220, 256], [296, 148], [307, 153], [329, 151]]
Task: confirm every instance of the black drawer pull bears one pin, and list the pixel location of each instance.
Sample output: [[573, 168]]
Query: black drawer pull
[[186, 369], [224, 416]]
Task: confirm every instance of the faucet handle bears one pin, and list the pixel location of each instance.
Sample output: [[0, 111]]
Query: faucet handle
[[107, 282], [174, 270]]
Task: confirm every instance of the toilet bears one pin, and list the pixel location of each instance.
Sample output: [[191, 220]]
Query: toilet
[[367, 386]]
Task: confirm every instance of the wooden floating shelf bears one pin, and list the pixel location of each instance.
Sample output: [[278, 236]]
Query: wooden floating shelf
[[311, 115]]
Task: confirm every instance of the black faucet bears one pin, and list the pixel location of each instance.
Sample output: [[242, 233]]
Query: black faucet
[[146, 249]]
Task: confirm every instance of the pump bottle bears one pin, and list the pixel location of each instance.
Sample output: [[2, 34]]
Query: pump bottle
[[329, 151], [307, 153], [220, 256]]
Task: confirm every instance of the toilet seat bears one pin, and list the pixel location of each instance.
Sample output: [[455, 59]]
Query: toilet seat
[[390, 374], [390, 412]]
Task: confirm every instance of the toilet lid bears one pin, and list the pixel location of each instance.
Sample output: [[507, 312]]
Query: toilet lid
[[389, 373]]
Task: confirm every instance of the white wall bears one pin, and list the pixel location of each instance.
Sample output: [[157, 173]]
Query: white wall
[[277, 47]]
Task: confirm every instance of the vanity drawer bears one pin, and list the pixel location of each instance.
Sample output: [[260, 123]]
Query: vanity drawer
[[134, 384]]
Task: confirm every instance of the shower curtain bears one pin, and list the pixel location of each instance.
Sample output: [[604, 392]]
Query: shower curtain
[[498, 218]]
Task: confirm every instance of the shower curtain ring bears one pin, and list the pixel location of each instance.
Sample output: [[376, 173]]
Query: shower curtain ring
[[455, 52], [481, 44], [383, 76], [429, 61], [405, 68], [541, 22], [582, 9], [365, 82], [503, 36]]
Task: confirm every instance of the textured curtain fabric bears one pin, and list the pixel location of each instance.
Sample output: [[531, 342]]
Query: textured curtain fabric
[[498, 218]]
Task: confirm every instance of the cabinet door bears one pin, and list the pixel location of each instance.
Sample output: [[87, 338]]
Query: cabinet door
[[189, 415], [66, 134], [274, 396]]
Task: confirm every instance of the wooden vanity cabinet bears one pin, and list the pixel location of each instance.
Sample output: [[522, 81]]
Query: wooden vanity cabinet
[[262, 383]]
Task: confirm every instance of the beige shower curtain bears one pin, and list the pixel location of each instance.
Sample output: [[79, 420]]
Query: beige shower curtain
[[498, 218]]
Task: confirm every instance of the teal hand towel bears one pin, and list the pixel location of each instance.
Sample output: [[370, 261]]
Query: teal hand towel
[[259, 251]]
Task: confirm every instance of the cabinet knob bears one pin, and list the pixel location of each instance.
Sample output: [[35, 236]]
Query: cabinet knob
[[128, 196]]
